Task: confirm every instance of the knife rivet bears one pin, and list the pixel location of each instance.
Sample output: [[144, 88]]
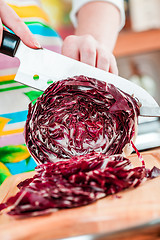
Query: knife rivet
[[36, 77]]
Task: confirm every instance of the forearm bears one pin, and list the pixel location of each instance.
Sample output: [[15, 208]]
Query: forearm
[[95, 35], [101, 20]]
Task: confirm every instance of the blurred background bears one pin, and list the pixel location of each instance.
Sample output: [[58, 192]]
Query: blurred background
[[137, 52]]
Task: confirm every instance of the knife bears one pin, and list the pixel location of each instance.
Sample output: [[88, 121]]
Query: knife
[[39, 67]]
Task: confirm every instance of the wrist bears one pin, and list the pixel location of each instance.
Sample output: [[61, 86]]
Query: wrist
[[102, 24]]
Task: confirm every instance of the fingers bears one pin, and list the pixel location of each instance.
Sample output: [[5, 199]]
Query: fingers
[[70, 48], [15, 23], [82, 48], [106, 61], [103, 59], [113, 66], [87, 50]]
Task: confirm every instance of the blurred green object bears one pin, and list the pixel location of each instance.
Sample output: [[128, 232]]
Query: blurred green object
[[13, 153], [4, 172], [33, 95]]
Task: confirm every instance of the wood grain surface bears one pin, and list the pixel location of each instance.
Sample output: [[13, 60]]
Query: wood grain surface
[[133, 207]]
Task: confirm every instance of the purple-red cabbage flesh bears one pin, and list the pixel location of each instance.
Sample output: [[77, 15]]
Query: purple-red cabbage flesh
[[74, 182], [76, 131], [77, 116]]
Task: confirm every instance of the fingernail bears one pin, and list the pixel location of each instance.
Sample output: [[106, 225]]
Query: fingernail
[[37, 44]]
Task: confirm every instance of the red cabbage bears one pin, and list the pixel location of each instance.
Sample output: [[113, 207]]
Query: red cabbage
[[155, 172], [77, 116], [75, 182], [77, 131]]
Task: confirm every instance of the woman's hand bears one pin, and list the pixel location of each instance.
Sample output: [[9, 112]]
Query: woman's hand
[[88, 50], [96, 32], [10, 19]]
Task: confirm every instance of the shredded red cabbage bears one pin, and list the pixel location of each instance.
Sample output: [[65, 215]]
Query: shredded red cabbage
[[77, 116], [138, 154], [74, 182]]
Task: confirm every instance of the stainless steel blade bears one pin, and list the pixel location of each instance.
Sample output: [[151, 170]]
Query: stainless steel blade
[[49, 66], [150, 111]]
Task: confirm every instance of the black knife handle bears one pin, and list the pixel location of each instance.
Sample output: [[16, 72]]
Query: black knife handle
[[10, 43]]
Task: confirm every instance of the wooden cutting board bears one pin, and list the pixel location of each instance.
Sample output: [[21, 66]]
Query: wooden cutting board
[[133, 208]]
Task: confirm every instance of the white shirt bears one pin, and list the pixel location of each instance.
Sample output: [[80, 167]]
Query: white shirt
[[77, 4]]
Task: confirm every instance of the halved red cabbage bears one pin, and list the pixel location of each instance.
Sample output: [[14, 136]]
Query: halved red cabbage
[[77, 116], [75, 182]]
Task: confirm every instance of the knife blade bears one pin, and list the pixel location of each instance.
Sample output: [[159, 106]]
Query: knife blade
[[39, 67]]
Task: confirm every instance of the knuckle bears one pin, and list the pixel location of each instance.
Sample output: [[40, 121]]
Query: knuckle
[[104, 51], [105, 59], [104, 56], [104, 62], [89, 50], [88, 38], [18, 19], [66, 52], [68, 46], [69, 39]]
